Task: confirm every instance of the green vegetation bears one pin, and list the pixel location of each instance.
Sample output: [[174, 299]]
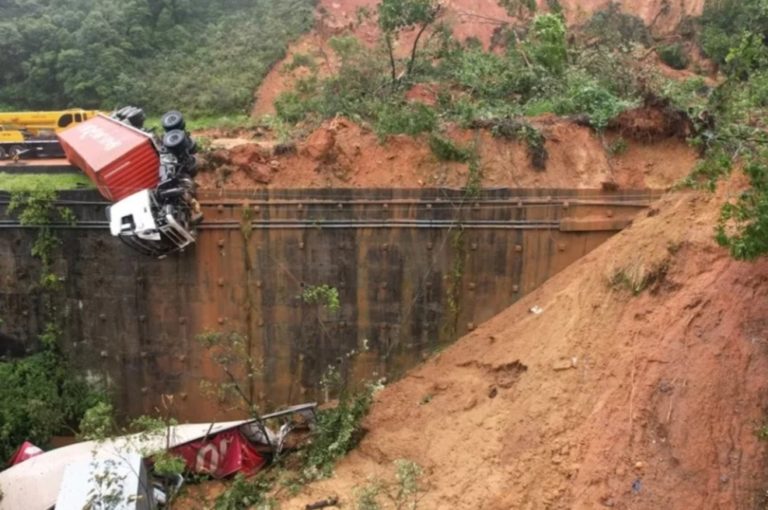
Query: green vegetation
[[41, 394], [27, 182], [324, 295], [540, 72], [404, 492], [674, 56], [204, 57]]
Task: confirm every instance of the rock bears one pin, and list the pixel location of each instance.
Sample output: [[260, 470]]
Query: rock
[[470, 404], [274, 165], [320, 144], [563, 364], [639, 465], [245, 155], [260, 173]]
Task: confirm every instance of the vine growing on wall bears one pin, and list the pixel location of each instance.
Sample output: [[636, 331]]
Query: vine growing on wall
[[41, 395]]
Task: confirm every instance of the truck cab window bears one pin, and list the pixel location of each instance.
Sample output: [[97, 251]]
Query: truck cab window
[[65, 120]]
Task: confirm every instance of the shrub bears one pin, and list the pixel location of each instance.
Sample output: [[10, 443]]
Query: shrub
[[674, 56], [408, 119], [546, 42], [447, 150]]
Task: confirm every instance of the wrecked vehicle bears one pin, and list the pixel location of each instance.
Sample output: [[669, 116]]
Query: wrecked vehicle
[[212, 449], [149, 179]]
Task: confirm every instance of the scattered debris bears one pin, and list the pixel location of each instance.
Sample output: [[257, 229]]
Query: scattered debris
[[334, 501], [536, 310]]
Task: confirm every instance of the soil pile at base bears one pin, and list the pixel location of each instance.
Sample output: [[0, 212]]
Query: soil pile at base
[[640, 383], [343, 154]]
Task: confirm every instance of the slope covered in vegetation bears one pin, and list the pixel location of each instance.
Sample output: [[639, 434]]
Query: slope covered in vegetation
[[201, 56]]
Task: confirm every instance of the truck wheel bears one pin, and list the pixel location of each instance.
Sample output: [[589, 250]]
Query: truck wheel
[[175, 141], [3, 154], [173, 120], [15, 151]]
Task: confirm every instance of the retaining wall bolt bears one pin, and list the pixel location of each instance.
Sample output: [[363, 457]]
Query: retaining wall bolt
[[566, 204], [104, 354], [609, 213], [144, 354], [256, 209], [220, 281], [429, 245], [340, 206], [144, 390], [471, 326], [518, 248], [142, 318], [472, 286], [221, 320], [183, 396], [139, 279], [103, 316], [300, 207], [520, 203], [221, 243], [258, 284], [301, 245], [386, 206], [474, 246], [261, 322], [561, 246], [182, 320], [429, 206], [476, 207], [384, 285], [385, 246], [515, 288], [183, 358], [220, 208]]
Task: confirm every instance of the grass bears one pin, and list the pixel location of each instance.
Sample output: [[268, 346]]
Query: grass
[[232, 121], [26, 182]]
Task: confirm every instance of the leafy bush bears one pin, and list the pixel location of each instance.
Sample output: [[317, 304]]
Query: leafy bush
[[617, 29], [407, 119], [337, 432], [40, 397], [674, 56], [743, 224], [546, 42], [584, 95], [447, 150]]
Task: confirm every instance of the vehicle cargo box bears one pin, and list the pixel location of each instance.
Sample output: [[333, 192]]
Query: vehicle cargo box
[[119, 159]]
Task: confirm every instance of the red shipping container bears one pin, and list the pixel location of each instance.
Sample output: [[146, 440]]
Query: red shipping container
[[119, 159]]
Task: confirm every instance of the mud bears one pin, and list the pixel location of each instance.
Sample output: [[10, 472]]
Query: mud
[[625, 401]]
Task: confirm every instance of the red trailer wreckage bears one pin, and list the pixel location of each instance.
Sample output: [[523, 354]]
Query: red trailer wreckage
[[218, 450]]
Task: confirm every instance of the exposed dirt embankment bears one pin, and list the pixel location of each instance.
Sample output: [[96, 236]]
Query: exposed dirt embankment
[[477, 19], [344, 154], [605, 398]]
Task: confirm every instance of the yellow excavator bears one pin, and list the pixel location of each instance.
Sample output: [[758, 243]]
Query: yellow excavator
[[33, 134]]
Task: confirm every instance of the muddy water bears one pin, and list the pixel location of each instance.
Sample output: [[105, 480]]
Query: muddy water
[[415, 269]]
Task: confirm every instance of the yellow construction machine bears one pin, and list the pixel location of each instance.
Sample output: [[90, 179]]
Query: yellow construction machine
[[33, 134]]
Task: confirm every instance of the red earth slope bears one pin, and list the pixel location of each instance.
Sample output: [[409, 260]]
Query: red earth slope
[[606, 398]]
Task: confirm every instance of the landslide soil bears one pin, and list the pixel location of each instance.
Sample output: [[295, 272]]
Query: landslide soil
[[344, 154], [477, 19], [605, 398]]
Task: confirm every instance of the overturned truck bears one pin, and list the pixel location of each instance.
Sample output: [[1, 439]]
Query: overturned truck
[[148, 178]]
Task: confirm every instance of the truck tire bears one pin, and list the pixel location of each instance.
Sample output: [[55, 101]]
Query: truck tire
[[175, 141], [3, 154], [173, 120]]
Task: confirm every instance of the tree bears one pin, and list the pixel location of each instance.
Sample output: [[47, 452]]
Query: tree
[[398, 15]]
